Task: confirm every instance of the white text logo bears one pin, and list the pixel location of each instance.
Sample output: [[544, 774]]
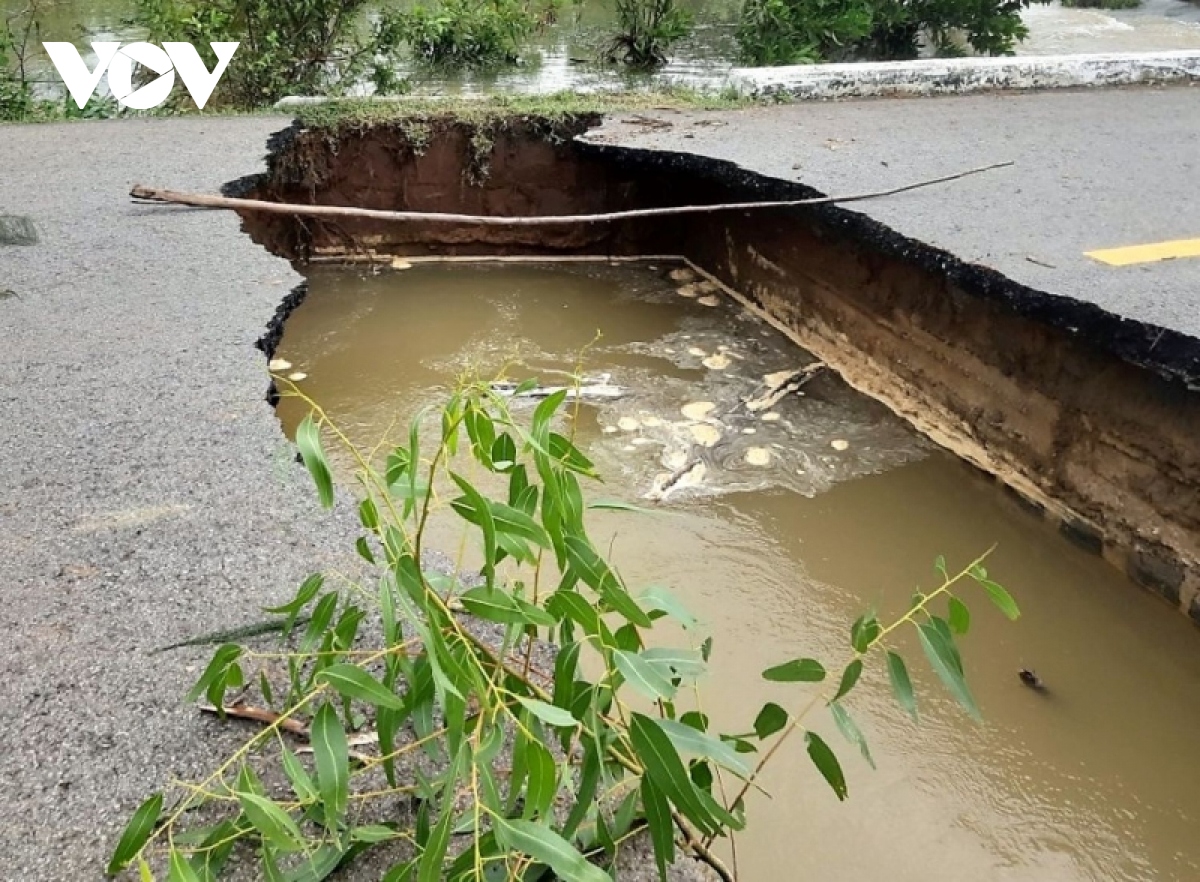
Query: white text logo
[[118, 61]]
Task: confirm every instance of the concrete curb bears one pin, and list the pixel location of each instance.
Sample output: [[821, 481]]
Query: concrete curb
[[942, 76]]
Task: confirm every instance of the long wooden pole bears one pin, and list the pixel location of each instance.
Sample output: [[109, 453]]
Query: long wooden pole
[[200, 200]]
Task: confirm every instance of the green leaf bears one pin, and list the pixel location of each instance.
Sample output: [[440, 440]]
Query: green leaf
[[547, 847], [658, 598], [494, 605], [827, 763], [179, 870], [901, 684], [1001, 598], [515, 522], [308, 440], [434, 854], [353, 682], [849, 678], [548, 713], [960, 616], [273, 823], [304, 594], [690, 740], [332, 756], [674, 662], [215, 673], [770, 720], [136, 832], [850, 730], [503, 453], [864, 631], [800, 670], [642, 675], [944, 659], [320, 864], [302, 783], [596, 574], [482, 518], [373, 833], [543, 780], [662, 829], [662, 763]]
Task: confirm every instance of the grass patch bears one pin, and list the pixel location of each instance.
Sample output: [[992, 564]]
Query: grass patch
[[355, 113]]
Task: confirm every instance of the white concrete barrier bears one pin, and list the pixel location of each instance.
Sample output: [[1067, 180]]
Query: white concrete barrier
[[940, 76]]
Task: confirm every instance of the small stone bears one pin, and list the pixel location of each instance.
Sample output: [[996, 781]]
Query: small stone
[[749, 430], [279, 364], [839, 444], [688, 291], [716, 362], [709, 300], [298, 376], [628, 424], [676, 459], [758, 456], [697, 410], [697, 352], [707, 287], [400, 263], [770, 417], [682, 274], [705, 435], [610, 430]]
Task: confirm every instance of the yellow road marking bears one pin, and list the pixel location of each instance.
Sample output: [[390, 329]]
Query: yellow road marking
[[1147, 253]]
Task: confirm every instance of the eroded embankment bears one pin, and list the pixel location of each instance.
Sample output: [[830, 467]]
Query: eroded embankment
[[1087, 416]]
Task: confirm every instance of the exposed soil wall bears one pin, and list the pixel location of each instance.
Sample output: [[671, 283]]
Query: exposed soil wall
[[1089, 417]]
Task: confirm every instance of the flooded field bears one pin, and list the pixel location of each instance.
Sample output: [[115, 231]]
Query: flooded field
[[805, 513]]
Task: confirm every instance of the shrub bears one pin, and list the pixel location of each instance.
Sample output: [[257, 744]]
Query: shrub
[[647, 31], [295, 47], [801, 31], [525, 723], [470, 33]]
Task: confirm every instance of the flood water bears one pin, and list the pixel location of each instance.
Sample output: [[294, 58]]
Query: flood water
[[552, 60], [1096, 780]]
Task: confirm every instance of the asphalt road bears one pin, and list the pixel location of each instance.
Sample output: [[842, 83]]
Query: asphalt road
[[1093, 170]]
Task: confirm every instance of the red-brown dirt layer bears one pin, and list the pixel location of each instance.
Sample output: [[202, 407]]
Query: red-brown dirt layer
[[1056, 399]]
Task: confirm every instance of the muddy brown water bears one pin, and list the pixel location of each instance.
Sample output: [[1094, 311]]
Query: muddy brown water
[[1097, 780]]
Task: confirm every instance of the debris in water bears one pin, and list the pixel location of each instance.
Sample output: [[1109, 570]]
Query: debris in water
[[279, 364], [682, 274], [1031, 679], [709, 300], [780, 384], [610, 430], [749, 430], [651, 421], [697, 410], [770, 416], [690, 474], [839, 444], [639, 442], [758, 456], [697, 351], [707, 287], [400, 263], [705, 435], [591, 387], [628, 424], [298, 376], [629, 448], [717, 362], [688, 291]]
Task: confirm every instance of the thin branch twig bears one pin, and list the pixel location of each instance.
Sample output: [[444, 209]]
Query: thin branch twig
[[200, 200]]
